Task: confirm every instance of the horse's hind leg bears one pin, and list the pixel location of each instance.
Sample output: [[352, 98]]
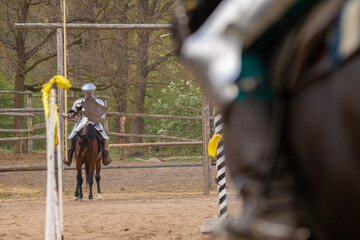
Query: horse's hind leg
[[97, 177]]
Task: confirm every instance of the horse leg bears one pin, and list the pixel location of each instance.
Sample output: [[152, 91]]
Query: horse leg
[[97, 177], [79, 178], [78, 191], [90, 180]]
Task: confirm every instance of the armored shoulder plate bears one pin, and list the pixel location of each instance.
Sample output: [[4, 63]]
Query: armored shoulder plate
[[100, 101], [77, 103]]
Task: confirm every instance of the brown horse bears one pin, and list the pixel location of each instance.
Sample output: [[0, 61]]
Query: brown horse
[[88, 151], [294, 157]]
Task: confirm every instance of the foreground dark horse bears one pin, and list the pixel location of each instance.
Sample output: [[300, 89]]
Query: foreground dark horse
[[298, 150], [88, 152]]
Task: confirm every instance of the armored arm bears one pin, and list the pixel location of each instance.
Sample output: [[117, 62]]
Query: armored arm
[[74, 110], [76, 107]]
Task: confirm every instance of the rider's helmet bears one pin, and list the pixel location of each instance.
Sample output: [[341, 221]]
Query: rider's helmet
[[89, 90]]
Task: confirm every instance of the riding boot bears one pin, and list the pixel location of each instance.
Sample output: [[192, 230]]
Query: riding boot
[[106, 159], [71, 148], [269, 212]]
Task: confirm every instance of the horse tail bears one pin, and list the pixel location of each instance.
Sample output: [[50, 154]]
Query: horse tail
[[87, 173]]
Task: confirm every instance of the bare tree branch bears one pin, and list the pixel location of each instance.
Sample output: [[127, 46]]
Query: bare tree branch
[[40, 60], [152, 7], [8, 5], [158, 61], [155, 17], [7, 45], [37, 47]]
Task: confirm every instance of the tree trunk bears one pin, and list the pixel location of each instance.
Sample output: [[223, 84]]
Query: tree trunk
[[137, 125], [121, 92], [19, 122]]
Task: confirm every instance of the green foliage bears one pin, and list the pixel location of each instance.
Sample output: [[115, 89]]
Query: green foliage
[[178, 98], [182, 98], [6, 122]]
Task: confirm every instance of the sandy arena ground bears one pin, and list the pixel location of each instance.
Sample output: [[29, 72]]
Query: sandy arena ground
[[155, 203]]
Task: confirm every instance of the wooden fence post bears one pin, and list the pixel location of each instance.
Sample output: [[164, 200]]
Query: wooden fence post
[[106, 123], [29, 123], [60, 99], [206, 139], [122, 140]]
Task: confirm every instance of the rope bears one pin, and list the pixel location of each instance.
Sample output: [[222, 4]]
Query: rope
[[59, 81]]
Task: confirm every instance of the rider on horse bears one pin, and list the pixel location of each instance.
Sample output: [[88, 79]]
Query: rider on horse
[[89, 90]]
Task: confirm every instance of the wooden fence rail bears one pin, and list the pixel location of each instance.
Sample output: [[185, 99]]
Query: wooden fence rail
[[143, 26], [21, 110], [151, 136], [119, 114], [109, 114], [17, 114], [120, 145], [16, 130], [36, 137]]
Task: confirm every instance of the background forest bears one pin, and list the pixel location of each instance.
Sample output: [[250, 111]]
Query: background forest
[[137, 69]]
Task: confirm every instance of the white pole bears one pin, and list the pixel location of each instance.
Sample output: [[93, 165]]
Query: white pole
[[50, 187], [54, 202], [57, 216], [60, 181]]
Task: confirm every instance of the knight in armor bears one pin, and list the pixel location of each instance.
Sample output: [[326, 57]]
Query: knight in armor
[[88, 90]]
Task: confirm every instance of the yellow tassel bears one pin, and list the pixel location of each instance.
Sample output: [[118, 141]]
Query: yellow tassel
[[56, 140], [59, 81], [213, 143]]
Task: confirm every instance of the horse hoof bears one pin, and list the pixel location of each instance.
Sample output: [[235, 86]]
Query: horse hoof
[[100, 197], [76, 198]]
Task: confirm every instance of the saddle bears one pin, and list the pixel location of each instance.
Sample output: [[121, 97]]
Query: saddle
[[308, 49]]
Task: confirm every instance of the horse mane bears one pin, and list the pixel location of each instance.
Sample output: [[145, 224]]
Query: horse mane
[[90, 134], [90, 131]]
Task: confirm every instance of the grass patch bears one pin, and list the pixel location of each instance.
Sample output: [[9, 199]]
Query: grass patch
[[20, 192]]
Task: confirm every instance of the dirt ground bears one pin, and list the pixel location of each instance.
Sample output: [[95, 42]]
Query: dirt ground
[[151, 203]]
